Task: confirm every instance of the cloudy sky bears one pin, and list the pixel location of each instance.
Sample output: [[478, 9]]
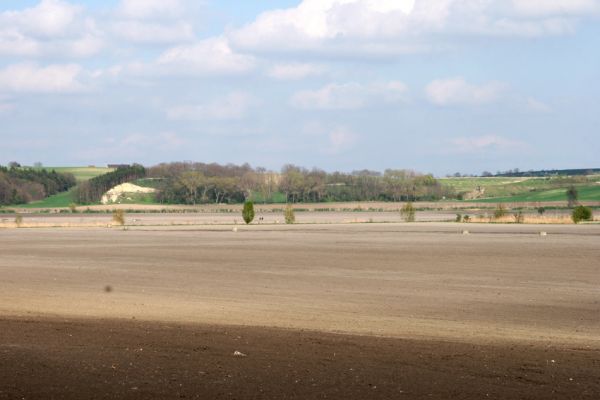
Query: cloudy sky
[[434, 85]]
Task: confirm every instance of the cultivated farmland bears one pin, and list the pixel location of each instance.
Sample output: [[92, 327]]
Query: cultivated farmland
[[361, 310]]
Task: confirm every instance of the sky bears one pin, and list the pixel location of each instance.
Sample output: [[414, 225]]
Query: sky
[[438, 86]]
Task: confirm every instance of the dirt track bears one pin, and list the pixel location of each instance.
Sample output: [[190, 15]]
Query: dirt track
[[451, 305]]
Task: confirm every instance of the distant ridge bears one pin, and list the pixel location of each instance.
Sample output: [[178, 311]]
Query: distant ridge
[[551, 172]]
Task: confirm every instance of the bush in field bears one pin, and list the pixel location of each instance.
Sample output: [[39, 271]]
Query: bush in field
[[119, 217], [18, 220], [582, 213], [466, 218], [519, 217], [500, 211], [248, 212], [73, 208], [541, 210], [458, 218], [289, 215], [408, 212], [572, 196]]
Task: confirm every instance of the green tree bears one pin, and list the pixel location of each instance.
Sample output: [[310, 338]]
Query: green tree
[[581, 213], [248, 212]]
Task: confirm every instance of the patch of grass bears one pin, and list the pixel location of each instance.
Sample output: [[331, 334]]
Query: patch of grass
[[63, 199], [586, 193], [82, 173]]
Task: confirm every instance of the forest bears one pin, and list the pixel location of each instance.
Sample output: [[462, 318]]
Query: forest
[[23, 185], [193, 183]]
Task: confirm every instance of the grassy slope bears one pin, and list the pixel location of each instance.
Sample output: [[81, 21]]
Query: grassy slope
[[65, 198], [586, 193], [82, 173]]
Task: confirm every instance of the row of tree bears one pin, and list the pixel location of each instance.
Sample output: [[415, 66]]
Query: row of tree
[[22, 185], [192, 183], [91, 191]]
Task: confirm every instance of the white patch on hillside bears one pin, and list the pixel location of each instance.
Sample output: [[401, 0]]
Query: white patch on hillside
[[120, 192]]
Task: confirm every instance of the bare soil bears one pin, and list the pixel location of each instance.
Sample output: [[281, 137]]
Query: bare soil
[[321, 311]]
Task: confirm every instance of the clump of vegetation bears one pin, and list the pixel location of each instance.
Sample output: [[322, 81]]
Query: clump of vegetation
[[289, 215], [541, 210], [18, 220], [73, 208], [500, 211], [466, 218], [572, 196], [408, 212], [519, 217], [248, 212], [458, 218], [119, 217], [19, 185], [582, 213]]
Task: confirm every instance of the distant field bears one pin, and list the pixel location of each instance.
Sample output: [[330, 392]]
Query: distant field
[[587, 193], [58, 200], [82, 173], [471, 184]]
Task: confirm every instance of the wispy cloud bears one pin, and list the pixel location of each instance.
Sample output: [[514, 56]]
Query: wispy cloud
[[233, 106], [350, 96], [457, 91]]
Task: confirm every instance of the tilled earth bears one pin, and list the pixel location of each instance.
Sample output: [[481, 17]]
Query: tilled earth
[[318, 311]]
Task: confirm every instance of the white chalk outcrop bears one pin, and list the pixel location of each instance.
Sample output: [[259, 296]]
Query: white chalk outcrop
[[120, 192]]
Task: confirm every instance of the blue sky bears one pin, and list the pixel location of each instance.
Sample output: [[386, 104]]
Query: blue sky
[[434, 85]]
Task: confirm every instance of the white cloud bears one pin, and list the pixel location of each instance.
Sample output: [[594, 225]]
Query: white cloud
[[30, 78], [350, 96], [555, 7], [153, 32], [233, 106], [384, 27], [294, 71], [538, 106], [52, 27], [456, 91], [485, 143], [48, 18], [211, 56], [150, 9]]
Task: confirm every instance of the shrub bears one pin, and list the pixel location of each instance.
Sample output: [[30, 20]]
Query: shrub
[[289, 215], [458, 218], [408, 212], [541, 210], [519, 218], [582, 213], [572, 196], [73, 208], [248, 212], [500, 211], [466, 218], [119, 217], [18, 220]]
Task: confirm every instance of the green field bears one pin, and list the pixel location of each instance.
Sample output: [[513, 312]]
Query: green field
[[58, 200], [82, 173], [586, 193]]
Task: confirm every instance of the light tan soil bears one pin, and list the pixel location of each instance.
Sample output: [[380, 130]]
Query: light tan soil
[[451, 305]]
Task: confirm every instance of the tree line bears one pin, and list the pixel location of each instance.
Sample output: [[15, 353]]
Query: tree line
[[91, 191], [193, 183], [23, 185]]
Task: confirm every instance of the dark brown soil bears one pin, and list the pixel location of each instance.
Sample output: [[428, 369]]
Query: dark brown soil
[[42, 358]]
